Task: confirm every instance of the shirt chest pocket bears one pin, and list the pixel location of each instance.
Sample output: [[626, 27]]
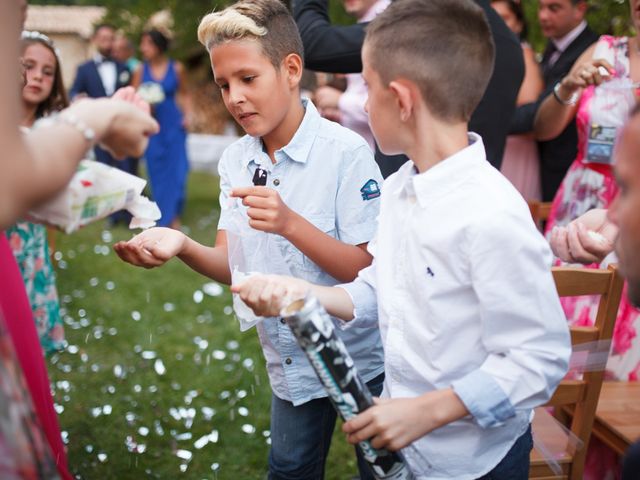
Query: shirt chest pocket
[[300, 264]]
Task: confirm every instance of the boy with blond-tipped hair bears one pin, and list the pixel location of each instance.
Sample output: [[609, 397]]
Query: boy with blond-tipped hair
[[321, 202], [472, 327]]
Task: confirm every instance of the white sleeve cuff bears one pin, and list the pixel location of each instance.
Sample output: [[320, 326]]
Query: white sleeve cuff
[[365, 305]]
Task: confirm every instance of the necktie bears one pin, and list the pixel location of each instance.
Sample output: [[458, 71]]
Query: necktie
[[548, 54]]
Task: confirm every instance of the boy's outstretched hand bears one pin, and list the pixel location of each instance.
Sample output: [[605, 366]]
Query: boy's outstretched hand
[[267, 212], [395, 423], [267, 295], [151, 248]]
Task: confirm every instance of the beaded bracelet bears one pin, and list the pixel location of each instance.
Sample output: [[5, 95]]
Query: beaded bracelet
[[69, 119]]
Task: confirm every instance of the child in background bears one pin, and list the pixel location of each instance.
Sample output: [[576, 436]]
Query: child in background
[[321, 202], [472, 328], [42, 94]]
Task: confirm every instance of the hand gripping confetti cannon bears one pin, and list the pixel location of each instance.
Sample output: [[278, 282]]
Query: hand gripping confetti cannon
[[328, 355]]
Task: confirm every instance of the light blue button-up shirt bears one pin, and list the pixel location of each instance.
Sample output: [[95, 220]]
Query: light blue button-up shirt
[[326, 174]]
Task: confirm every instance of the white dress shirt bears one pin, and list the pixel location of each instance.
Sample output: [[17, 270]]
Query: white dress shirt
[[563, 43], [108, 73], [464, 296]]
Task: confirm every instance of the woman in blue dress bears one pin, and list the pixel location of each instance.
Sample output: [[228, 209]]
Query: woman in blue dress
[[163, 83]]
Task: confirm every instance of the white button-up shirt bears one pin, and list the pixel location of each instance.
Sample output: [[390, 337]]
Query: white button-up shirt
[[462, 287], [327, 174], [108, 73]]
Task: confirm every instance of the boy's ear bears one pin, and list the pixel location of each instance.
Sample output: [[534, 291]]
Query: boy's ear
[[292, 65], [405, 97]]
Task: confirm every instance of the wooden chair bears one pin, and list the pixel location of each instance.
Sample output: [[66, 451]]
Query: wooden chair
[[575, 401], [539, 211]]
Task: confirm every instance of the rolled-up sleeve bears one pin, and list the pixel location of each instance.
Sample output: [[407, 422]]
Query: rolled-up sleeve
[[363, 296]]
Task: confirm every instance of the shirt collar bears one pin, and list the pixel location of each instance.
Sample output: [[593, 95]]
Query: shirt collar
[[562, 43], [299, 146], [445, 176]]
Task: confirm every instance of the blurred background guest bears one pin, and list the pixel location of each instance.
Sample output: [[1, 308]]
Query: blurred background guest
[[99, 77], [563, 23], [124, 52], [520, 163], [347, 107], [166, 156], [42, 94]]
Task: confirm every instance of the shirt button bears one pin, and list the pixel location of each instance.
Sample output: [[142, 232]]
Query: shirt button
[[276, 182], [288, 361]]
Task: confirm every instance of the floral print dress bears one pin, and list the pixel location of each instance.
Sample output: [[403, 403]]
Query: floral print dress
[[30, 247], [590, 183]]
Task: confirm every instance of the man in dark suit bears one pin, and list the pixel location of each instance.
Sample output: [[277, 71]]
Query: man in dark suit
[[563, 23], [100, 77], [336, 49]]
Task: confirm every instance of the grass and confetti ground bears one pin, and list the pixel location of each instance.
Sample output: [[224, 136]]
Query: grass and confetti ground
[[157, 380]]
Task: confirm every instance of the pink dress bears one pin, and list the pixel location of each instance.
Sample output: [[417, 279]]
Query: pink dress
[[16, 311], [589, 184], [521, 165]]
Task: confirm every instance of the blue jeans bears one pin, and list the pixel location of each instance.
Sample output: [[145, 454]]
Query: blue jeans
[[515, 464], [301, 437]]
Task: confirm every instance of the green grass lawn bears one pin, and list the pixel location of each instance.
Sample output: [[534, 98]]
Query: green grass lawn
[[158, 381]]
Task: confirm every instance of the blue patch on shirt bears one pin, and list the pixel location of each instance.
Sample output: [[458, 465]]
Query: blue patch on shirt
[[370, 190]]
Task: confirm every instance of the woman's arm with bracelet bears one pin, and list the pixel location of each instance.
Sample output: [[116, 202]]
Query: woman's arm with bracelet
[[560, 107]]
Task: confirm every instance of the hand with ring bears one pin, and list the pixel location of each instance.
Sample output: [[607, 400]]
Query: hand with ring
[[592, 72]]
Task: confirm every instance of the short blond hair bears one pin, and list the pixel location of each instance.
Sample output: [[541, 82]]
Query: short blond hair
[[266, 21]]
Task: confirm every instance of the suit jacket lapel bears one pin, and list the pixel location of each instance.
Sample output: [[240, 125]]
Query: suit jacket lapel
[[97, 79]]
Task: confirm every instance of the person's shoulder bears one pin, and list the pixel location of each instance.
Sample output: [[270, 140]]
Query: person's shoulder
[[237, 151], [85, 65], [341, 137]]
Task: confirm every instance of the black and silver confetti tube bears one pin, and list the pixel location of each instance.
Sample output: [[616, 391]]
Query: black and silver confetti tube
[[314, 330]]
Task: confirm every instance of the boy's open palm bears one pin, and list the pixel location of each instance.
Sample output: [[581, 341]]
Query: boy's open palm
[[267, 212], [151, 248]]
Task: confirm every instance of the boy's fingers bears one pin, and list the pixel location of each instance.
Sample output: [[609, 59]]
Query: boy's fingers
[[242, 192], [357, 423], [366, 433]]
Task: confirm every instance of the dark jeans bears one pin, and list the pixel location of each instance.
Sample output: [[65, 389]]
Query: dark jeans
[[301, 436], [515, 464]]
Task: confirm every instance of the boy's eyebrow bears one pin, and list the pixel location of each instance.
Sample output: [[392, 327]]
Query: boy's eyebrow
[[240, 72]]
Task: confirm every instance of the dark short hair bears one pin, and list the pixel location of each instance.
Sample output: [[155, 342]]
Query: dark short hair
[[100, 26], [158, 38], [57, 99], [267, 21], [443, 46], [516, 8]]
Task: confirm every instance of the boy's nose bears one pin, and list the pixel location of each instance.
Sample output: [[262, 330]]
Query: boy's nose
[[235, 96]]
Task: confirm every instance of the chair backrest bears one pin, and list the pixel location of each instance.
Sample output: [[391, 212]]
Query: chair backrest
[[579, 397], [539, 211]]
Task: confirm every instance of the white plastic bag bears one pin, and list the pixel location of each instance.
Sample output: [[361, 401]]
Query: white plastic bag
[[250, 251], [96, 191]]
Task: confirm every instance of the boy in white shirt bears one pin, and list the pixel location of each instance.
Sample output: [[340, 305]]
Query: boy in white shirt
[[472, 328]]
